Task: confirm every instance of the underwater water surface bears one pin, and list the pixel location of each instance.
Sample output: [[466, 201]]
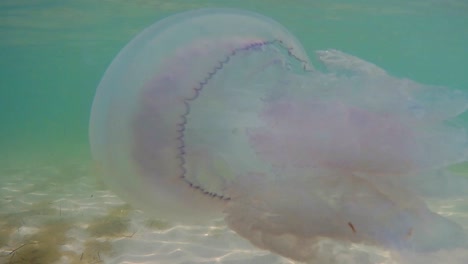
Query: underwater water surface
[[54, 55]]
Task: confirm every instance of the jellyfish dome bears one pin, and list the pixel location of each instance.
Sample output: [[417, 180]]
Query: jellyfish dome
[[219, 113]]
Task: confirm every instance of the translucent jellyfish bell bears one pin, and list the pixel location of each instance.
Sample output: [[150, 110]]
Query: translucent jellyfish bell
[[166, 112], [218, 112]]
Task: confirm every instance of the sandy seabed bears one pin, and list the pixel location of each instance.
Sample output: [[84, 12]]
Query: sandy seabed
[[62, 214]]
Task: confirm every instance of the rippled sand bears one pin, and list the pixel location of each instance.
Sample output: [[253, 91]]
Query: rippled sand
[[64, 215]]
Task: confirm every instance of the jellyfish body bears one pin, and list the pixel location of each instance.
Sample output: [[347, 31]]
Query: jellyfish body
[[219, 112]]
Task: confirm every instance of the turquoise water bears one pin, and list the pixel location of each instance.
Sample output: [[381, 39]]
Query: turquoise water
[[53, 54]]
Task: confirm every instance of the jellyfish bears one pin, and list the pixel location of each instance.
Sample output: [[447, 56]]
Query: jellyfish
[[220, 113]]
